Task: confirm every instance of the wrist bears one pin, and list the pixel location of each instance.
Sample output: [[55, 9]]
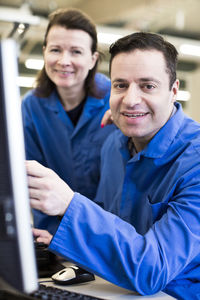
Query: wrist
[[67, 202]]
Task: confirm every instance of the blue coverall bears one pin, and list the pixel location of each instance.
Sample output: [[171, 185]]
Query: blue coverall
[[155, 243], [73, 152]]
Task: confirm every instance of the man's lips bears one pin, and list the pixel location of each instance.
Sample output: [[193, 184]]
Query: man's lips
[[133, 115]]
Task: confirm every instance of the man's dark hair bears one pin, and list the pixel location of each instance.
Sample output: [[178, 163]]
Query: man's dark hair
[[69, 19], [148, 41]]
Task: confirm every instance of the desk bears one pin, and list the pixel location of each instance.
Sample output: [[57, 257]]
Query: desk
[[106, 290]]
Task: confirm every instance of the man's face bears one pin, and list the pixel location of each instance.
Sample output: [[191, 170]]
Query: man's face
[[140, 101]]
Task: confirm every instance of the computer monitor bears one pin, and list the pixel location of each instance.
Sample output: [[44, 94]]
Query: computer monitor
[[18, 269]]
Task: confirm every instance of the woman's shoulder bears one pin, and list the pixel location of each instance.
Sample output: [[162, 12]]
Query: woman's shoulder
[[103, 82], [32, 99], [29, 96]]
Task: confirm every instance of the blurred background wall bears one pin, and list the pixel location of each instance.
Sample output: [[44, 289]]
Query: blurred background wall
[[177, 20]]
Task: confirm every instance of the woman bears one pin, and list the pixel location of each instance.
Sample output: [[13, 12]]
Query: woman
[[62, 115]]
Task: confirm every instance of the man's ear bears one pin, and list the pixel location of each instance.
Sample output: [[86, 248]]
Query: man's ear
[[175, 89]]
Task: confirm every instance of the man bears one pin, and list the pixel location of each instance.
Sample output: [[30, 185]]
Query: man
[[148, 237]]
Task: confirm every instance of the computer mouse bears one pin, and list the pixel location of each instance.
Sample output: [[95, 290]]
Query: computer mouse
[[72, 275]]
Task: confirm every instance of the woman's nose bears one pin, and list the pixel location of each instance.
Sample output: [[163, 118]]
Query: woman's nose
[[65, 58]]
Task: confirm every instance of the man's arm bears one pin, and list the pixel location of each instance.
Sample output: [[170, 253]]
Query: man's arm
[[110, 247], [47, 191]]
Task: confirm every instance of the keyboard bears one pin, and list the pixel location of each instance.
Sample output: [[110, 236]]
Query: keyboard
[[48, 293], [51, 293]]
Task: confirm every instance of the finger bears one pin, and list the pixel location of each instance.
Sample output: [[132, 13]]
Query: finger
[[107, 118], [40, 239], [43, 206], [33, 168], [41, 233], [38, 194], [44, 240], [35, 203], [36, 232], [37, 183]]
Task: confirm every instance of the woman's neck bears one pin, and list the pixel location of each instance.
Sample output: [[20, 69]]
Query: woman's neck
[[71, 98]]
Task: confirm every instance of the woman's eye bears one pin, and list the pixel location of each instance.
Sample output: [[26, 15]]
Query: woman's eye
[[54, 50]]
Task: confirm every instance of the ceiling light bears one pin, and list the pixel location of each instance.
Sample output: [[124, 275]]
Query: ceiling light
[[35, 64], [188, 49], [183, 95], [107, 38], [8, 14], [25, 81], [21, 28]]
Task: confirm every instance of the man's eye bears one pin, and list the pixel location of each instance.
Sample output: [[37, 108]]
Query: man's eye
[[148, 87], [120, 85]]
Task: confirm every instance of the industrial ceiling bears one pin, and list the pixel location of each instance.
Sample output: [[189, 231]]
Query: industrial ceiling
[[177, 19]]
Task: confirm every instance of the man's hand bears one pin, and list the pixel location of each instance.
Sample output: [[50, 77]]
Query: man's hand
[[107, 118], [42, 236], [47, 191]]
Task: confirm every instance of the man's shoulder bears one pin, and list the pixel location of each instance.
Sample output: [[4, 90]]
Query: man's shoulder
[[113, 140], [189, 135], [190, 129]]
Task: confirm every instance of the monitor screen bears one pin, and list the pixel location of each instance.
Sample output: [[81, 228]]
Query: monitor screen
[[17, 257]]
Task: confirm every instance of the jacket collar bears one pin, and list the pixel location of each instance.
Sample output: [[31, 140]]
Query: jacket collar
[[53, 103], [160, 143]]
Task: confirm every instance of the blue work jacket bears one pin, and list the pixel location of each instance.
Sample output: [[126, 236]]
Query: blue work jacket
[[72, 152], [154, 242]]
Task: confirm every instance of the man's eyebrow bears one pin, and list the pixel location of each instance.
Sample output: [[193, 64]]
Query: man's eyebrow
[[142, 79], [118, 80], [147, 79]]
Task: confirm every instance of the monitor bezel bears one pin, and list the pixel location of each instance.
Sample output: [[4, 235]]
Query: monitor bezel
[[16, 152]]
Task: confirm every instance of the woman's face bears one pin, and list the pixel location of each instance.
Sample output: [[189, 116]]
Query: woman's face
[[68, 57]]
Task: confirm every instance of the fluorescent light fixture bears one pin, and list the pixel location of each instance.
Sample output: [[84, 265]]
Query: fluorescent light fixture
[[108, 38], [35, 64], [188, 49], [183, 95], [12, 15], [24, 81], [21, 28]]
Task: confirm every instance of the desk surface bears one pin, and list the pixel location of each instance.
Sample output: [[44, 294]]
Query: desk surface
[[106, 290]]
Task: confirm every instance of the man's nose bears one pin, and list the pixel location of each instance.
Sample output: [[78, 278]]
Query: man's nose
[[132, 95]]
